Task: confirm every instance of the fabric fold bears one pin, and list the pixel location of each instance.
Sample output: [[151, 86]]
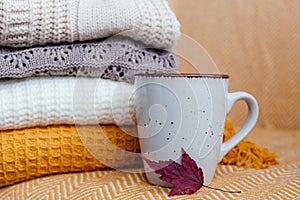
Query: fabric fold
[[26, 23], [42, 101], [115, 58], [40, 151], [66, 74]]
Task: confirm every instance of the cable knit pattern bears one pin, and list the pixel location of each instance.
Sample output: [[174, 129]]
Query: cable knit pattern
[[157, 15], [64, 100], [116, 58], [25, 23]]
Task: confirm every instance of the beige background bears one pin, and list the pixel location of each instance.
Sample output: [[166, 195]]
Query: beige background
[[258, 44]]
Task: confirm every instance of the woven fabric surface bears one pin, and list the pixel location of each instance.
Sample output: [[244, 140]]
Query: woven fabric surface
[[257, 43], [37, 22], [34, 152], [116, 58], [277, 182], [41, 151], [42, 101]]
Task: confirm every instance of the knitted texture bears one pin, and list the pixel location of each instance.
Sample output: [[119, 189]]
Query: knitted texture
[[247, 154], [116, 58], [40, 151], [25, 23], [64, 100], [29, 153]]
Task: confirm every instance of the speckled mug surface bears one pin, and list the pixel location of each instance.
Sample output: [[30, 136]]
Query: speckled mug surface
[[188, 111]]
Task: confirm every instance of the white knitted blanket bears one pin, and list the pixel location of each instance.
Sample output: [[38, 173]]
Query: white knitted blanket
[[25, 23], [64, 100]]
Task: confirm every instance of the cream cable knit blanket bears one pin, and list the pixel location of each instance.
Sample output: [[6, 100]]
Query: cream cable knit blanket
[[64, 100], [116, 58], [24, 23]]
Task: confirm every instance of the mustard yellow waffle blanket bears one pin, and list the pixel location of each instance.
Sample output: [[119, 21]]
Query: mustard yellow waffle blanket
[[35, 152], [280, 181]]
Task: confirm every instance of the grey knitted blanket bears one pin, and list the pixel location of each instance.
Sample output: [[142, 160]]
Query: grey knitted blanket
[[116, 58]]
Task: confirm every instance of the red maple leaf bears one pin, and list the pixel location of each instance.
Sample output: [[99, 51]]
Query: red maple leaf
[[186, 178]]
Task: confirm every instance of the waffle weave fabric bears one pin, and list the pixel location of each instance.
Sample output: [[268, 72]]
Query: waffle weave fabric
[[41, 101], [40, 151], [25, 23], [116, 58]]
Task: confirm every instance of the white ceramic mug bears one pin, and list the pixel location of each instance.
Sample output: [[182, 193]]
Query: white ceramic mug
[[188, 111]]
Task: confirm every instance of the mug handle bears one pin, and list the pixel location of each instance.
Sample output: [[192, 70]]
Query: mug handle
[[249, 124]]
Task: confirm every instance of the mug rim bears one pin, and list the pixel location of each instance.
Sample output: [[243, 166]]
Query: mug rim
[[185, 75]]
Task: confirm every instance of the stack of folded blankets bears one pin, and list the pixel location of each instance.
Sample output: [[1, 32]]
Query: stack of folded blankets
[[66, 74]]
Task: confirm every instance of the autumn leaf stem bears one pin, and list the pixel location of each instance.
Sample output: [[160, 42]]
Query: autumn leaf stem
[[235, 192], [186, 178]]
